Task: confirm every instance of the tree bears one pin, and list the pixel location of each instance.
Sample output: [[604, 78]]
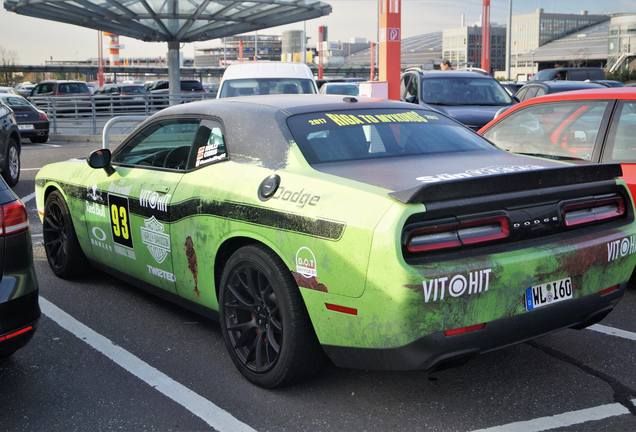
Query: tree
[[8, 60]]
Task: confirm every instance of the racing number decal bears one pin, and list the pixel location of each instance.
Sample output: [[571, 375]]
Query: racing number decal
[[120, 220]]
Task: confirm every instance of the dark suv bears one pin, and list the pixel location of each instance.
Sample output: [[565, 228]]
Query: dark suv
[[19, 309], [469, 97], [9, 146], [61, 88]]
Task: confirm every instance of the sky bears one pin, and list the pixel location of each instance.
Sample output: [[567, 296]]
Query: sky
[[35, 40]]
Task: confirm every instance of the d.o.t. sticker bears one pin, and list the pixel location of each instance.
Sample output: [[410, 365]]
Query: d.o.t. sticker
[[306, 263]]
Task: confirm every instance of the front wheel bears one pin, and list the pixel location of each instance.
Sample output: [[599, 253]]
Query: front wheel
[[264, 321], [11, 168], [63, 251]]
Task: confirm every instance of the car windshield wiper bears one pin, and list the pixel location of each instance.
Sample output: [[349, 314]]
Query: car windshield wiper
[[550, 156]]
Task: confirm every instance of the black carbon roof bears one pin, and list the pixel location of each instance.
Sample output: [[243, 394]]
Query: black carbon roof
[[285, 104]]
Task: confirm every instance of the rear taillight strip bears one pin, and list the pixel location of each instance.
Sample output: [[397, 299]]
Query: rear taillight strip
[[587, 212], [453, 235]]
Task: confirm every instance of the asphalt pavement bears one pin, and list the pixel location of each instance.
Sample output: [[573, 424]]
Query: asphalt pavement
[[108, 356]]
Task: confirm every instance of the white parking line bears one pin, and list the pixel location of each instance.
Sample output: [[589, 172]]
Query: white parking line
[[30, 169], [213, 415], [27, 198], [613, 331], [566, 419]]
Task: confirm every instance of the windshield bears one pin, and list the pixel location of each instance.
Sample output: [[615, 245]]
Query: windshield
[[464, 91], [265, 86], [378, 133], [15, 101], [342, 89]]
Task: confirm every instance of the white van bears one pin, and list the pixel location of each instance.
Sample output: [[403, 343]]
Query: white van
[[261, 78]]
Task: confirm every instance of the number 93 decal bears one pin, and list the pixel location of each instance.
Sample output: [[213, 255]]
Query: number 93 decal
[[120, 220]]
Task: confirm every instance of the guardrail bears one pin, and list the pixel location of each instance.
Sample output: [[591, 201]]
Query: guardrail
[[87, 115]]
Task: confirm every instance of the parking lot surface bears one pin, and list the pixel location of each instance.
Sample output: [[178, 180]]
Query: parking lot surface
[[108, 356]]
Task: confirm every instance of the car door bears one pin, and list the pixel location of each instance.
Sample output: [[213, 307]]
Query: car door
[[195, 232], [128, 212], [620, 146]]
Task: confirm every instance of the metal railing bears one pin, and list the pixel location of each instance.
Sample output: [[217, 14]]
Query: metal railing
[[87, 115]]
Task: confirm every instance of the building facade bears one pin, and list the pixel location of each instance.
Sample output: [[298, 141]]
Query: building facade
[[622, 43], [462, 46], [268, 48], [530, 31]]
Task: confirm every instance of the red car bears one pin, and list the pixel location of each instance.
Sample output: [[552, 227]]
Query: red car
[[588, 125]]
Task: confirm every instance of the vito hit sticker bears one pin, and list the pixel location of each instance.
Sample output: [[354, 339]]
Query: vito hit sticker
[[154, 200], [306, 263], [467, 284], [155, 239], [620, 248]]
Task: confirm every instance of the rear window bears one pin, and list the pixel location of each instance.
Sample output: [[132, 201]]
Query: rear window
[[265, 86], [15, 101], [191, 86], [133, 89], [69, 88], [378, 133]]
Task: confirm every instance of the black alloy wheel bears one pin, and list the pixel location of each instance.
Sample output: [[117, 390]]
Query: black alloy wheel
[[63, 251], [252, 318], [264, 321]]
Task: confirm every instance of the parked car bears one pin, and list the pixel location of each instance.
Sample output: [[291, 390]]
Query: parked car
[[211, 88], [263, 78], [61, 88], [120, 95], [24, 89], [608, 83], [10, 146], [384, 234], [33, 123], [471, 98], [19, 307], [63, 97], [340, 88], [534, 88], [160, 90], [585, 126], [570, 74], [8, 90]]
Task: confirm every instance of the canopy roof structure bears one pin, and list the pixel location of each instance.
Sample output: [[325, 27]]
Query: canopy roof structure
[[172, 20]]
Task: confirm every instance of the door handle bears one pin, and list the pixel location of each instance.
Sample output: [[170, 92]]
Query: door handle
[[160, 188]]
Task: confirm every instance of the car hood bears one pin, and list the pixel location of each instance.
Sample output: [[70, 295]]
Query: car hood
[[408, 172], [474, 116]]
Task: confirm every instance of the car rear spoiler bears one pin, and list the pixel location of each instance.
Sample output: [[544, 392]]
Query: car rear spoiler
[[509, 182]]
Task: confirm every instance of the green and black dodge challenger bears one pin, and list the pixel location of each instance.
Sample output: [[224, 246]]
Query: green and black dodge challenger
[[374, 233]]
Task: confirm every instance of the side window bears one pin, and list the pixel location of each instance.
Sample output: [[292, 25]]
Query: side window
[[540, 92], [403, 82], [44, 89], [563, 130], [209, 145], [621, 143], [165, 144], [521, 94], [532, 92]]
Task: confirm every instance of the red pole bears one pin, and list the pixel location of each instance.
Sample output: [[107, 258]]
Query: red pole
[[389, 62], [241, 51], [372, 71], [100, 59], [485, 37], [321, 38]]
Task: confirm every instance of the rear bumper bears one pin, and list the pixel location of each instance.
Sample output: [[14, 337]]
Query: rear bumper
[[40, 129], [15, 316], [437, 351]]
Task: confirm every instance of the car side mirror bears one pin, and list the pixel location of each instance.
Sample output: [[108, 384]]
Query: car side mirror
[[411, 99], [100, 159]]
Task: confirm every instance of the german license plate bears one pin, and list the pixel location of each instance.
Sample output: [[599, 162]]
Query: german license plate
[[548, 293], [25, 127]]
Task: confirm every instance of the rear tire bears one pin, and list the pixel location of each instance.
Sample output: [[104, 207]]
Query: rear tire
[[264, 321], [11, 168], [63, 252]]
